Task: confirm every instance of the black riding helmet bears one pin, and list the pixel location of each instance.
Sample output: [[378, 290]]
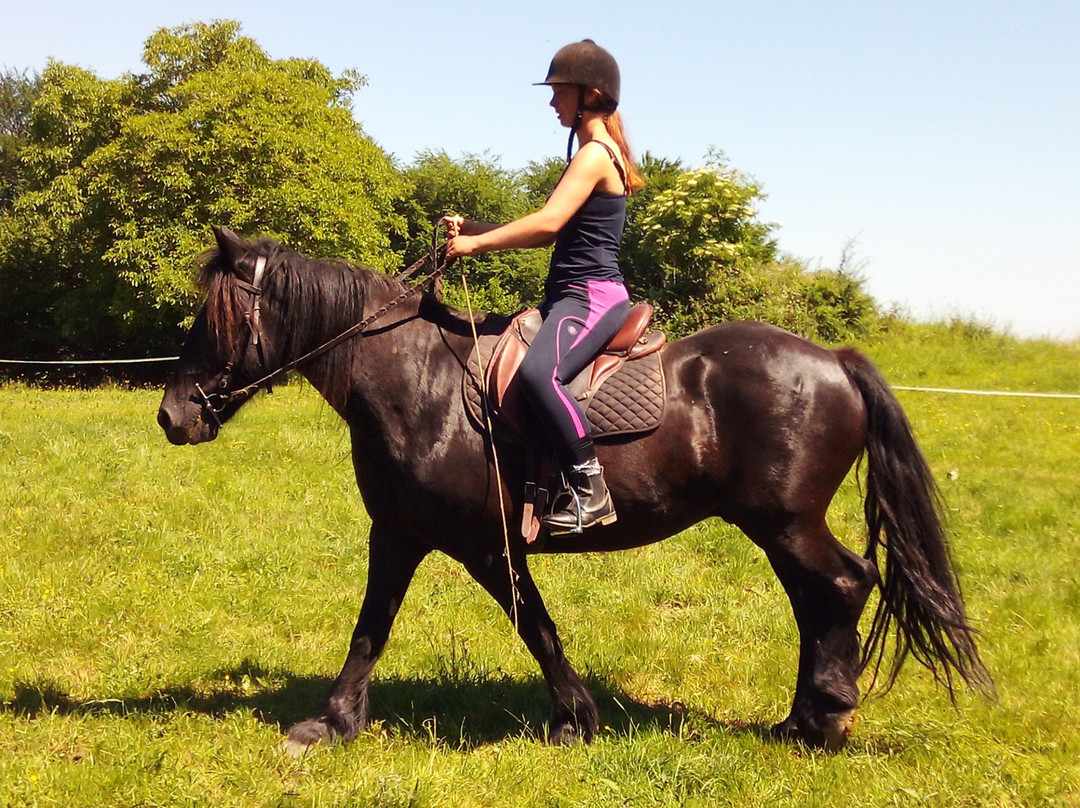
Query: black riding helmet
[[589, 66]]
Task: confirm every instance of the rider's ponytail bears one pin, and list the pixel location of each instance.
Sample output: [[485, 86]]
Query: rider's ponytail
[[614, 125]]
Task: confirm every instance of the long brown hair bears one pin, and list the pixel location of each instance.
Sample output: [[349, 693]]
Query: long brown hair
[[614, 124]]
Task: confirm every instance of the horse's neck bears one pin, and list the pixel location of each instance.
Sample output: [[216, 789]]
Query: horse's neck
[[388, 362]]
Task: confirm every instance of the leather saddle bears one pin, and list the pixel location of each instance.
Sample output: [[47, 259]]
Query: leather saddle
[[621, 391]]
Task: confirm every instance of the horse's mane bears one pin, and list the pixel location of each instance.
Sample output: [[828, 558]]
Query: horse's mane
[[316, 299]]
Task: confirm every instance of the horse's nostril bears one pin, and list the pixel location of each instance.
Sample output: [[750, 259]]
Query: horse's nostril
[[175, 433], [164, 419]]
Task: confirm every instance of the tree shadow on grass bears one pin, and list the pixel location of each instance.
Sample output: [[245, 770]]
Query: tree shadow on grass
[[460, 711]]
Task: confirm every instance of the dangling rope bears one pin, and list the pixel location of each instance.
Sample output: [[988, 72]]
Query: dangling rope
[[482, 382]]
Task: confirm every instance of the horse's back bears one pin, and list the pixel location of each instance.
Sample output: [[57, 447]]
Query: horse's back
[[750, 360], [781, 411]]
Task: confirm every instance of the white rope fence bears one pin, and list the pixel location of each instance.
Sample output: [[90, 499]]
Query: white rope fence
[[86, 361], [985, 392], [894, 387]]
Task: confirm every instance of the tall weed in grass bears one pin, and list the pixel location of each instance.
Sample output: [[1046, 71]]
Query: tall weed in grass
[[165, 612]]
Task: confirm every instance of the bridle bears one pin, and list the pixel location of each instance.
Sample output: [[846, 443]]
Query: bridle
[[216, 402]]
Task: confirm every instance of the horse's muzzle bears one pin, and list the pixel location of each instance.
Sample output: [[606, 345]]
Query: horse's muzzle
[[185, 425]]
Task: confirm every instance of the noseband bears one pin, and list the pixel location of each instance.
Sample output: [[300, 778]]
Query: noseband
[[216, 402]]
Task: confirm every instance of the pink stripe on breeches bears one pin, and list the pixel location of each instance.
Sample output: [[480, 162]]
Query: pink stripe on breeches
[[577, 326]]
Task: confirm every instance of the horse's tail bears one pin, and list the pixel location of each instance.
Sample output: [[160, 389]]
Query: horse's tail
[[919, 593]]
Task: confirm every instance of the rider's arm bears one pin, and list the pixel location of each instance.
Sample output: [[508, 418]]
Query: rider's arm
[[539, 229]]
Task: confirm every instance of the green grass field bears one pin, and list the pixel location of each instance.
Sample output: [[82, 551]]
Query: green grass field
[[166, 612]]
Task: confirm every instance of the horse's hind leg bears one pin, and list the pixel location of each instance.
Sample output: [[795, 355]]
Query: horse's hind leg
[[827, 585], [574, 714], [392, 562]]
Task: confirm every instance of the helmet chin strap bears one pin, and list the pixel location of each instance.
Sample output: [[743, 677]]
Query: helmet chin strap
[[577, 122]]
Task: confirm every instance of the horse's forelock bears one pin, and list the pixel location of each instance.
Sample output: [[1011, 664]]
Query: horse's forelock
[[223, 305], [322, 298], [226, 301]]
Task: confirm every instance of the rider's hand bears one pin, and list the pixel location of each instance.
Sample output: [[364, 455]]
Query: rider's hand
[[453, 222], [460, 246]]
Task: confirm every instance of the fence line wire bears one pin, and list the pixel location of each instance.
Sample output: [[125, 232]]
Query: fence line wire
[[985, 392], [86, 361], [894, 387]]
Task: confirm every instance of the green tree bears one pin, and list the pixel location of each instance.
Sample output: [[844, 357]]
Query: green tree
[[17, 93], [479, 188], [47, 261], [122, 179], [539, 180]]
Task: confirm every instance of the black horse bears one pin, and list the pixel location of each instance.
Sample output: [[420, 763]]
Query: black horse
[[760, 429]]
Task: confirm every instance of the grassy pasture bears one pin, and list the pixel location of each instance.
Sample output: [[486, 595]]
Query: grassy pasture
[[165, 612]]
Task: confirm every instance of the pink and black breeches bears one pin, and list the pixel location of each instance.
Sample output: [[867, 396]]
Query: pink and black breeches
[[578, 323]]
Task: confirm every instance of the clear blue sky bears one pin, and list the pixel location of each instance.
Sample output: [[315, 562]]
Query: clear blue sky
[[943, 137]]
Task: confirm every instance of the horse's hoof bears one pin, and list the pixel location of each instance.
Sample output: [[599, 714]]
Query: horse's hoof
[[830, 736], [837, 729], [307, 734], [567, 735], [295, 749], [786, 730], [563, 735]]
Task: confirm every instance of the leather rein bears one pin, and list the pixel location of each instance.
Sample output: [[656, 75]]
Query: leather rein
[[216, 402]]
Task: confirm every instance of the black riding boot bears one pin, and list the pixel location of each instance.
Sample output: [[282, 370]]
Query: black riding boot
[[589, 502]]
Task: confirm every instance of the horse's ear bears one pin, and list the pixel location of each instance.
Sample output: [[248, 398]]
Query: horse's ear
[[229, 244]]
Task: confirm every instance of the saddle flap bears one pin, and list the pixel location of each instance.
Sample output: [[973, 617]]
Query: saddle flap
[[509, 351]]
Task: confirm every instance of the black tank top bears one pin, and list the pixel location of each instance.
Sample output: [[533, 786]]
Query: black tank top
[[587, 248]]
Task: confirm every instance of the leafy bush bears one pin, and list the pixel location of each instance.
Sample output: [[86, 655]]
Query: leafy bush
[[695, 248]]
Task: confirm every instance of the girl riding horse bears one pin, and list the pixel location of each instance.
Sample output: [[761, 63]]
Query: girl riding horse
[[585, 299]]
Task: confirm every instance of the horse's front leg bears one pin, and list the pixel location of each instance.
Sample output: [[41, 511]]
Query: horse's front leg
[[392, 561], [574, 714]]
